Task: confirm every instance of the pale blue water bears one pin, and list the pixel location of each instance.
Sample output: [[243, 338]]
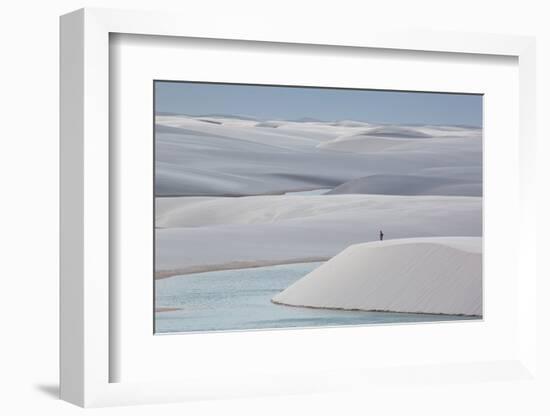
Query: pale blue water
[[241, 299]]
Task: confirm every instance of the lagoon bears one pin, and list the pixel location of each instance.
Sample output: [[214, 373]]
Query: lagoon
[[241, 300]]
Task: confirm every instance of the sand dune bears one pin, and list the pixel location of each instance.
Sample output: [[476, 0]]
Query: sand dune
[[409, 185], [207, 233], [368, 143], [397, 132], [468, 173], [425, 275], [268, 209], [222, 155]]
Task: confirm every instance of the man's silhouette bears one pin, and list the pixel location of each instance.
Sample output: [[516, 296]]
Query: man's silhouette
[[381, 235]]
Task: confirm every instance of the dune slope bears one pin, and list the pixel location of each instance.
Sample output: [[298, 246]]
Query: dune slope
[[441, 275], [214, 233], [409, 185], [230, 156]]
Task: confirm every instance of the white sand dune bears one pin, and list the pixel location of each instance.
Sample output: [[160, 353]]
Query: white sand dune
[[209, 233], [418, 275], [232, 156], [368, 143], [409, 185], [467, 173], [178, 212]]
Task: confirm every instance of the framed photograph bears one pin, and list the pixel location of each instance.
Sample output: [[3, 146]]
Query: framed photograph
[[291, 206], [243, 213]]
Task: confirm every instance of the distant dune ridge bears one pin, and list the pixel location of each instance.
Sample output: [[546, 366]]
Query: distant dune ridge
[[417, 275], [227, 155]]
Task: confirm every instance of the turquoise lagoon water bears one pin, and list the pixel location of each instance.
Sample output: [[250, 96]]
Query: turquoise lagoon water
[[241, 299]]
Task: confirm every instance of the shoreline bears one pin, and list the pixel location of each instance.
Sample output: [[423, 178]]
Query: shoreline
[[161, 309], [235, 265], [333, 308]]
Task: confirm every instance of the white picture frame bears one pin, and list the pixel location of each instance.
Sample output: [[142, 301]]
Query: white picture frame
[[87, 304]]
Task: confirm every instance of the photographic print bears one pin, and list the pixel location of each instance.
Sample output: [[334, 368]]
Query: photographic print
[[289, 206]]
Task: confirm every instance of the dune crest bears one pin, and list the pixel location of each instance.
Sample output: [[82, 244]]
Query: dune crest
[[440, 275]]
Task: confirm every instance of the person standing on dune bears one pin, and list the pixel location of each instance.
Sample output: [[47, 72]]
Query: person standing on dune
[[381, 235]]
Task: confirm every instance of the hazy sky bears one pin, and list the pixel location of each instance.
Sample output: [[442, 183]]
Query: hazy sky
[[288, 103]]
